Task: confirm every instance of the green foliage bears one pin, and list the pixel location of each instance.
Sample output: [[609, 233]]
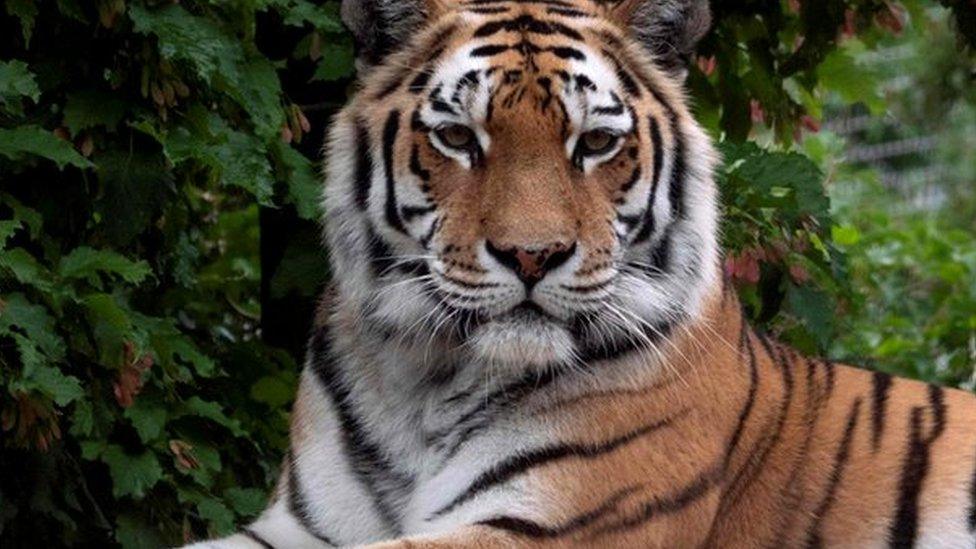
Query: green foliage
[[157, 235], [139, 404]]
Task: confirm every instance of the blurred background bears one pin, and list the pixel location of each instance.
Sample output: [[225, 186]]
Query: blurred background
[[159, 239]]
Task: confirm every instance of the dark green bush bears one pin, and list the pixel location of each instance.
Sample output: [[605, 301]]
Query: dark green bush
[[159, 257]]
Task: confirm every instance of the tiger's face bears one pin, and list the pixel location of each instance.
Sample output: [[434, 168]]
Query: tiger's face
[[522, 179]]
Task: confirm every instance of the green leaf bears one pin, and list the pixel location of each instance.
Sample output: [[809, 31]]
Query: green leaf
[[304, 184], [298, 12], [337, 62], [854, 82], [8, 227], [148, 416], [26, 11], [135, 186], [33, 321], [220, 518], [247, 502], [86, 263], [845, 235], [218, 59], [28, 216], [110, 325], [16, 82], [132, 532], [44, 378], [23, 141], [131, 474], [245, 164], [82, 419], [258, 90], [273, 391], [92, 449], [208, 463], [90, 108], [814, 309], [196, 406], [237, 158], [61, 388], [26, 270], [183, 347]]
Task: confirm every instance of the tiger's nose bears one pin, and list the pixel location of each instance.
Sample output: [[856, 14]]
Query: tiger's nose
[[532, 264]]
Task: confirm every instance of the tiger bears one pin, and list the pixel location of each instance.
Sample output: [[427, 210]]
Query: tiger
[[529, 339]]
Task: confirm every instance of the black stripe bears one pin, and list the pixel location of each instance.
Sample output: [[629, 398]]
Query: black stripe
[[526, 23], [380, 255], [535, 530], [417, 124], [439, 105], [938, 408], [364, 457], [745, 344], [666, 505], [415, 167], [618, 109], [410, 212], [972, 502], [904, 527], [419, 82], [256, 538], [390, 130], [488, 11], [489, 50], [814, 534], [393, 84], [478, 416], [761, 450], [628, 81], [297, 504], [519, 464], [435, 46], [364, 167], [647, 229], [880, 385], [568, 12], [425, 240], [661, 254], [615, 109], [566, 52], [583, 81], [676, 191], [830, 374], [634, 178], [603, 350], [629, 221], [557, 3]]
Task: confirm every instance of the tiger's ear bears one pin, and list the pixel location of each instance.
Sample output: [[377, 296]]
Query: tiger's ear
[[380, 27], [668, 29]]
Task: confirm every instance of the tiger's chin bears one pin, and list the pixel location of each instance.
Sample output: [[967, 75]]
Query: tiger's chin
[[523, 339]]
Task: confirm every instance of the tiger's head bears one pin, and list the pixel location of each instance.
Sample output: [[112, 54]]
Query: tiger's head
[[522, 179]]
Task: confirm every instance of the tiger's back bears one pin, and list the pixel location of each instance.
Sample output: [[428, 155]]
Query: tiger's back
[[529, 341]]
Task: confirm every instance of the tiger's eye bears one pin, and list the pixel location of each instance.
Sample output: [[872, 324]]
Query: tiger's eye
[[597, 141], [457, 136]]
